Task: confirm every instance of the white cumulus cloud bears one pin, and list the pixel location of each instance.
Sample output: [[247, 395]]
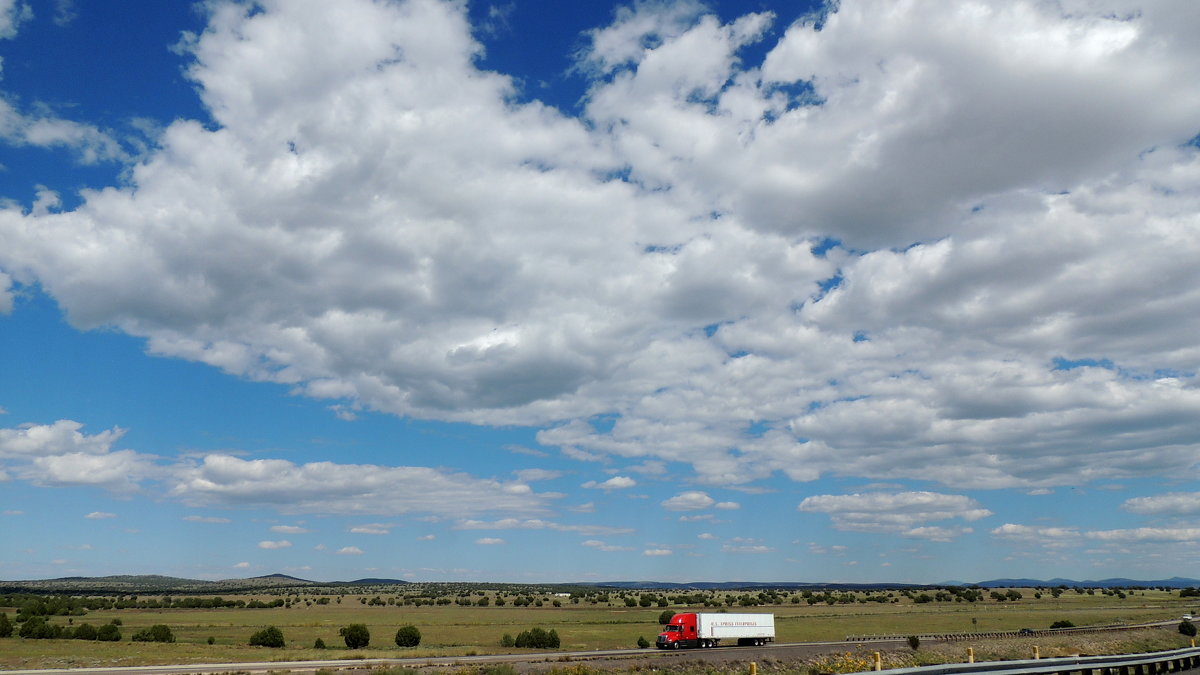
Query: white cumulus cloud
[[897, 512], [688, 266], [274, 545]]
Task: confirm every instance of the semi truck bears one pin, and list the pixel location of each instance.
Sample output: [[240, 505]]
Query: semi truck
[[694, 629]]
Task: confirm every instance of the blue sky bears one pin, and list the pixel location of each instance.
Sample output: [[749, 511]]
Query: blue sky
[[540, 291]]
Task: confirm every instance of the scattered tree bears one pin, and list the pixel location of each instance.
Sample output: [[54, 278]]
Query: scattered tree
[[1187, 628], [665, 617], [268, 637], [1062, 623], [85, 631], [6, 627], [319, 644], [642, 642], [914, 642], [356, 635], [108, 633], [408, 636], [538, 638], [156, 633]]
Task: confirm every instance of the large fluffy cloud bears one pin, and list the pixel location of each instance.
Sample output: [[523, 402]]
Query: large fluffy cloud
[[947, 244], [327, 487], [60, 454]]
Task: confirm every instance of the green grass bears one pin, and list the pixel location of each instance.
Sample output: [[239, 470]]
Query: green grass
[[451, 630]]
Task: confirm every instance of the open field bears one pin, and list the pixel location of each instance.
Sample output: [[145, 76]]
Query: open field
[[454, 630]]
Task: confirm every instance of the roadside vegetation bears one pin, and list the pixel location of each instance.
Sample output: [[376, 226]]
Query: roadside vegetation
[[438, 620]]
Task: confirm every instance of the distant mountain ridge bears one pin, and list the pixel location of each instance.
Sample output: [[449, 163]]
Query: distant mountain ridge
[[154, 583]]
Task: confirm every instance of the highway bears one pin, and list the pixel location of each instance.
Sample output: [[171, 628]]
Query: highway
[[778, 652]]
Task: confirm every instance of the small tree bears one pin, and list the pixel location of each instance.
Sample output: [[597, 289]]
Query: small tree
[[1062, 623], [156, 633], [665, 617], [408, 636], [1187, 628], [356, 635], [507, 641], [268, 637], [319, 644], [6, 627], [914, 642], [642, 642], [108, 633], [85, 631], [537, 638]]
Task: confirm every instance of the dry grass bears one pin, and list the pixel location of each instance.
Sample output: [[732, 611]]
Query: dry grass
[[459, 631]]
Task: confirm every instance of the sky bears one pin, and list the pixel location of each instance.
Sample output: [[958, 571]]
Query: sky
[[534, 291]]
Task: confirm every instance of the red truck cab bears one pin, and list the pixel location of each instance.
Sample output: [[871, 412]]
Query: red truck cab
[[680, 631]]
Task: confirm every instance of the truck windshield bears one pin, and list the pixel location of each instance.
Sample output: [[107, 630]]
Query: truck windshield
[[673, 629]]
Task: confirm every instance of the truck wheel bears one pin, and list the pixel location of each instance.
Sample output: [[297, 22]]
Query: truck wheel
[[674, 645]]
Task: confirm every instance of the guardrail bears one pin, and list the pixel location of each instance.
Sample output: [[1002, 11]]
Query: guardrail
[[1025, 632], [1155, 663]]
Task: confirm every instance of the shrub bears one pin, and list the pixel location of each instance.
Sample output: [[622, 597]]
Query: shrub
[[914, 642], [108, 633], [500, 669], [1187, 628], [156, 633], [319, 644], [665, 617], [1063, 623], [507, 641], [408, 636], [642, 642], [356, 635], [212, 640], [537, 638], [6, 627], [85, 631], [268, 637], [37, 628]]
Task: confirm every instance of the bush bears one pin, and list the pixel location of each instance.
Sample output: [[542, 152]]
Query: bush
[[538, 638], [1187, 628], [268, 637], [1062, 624], [85, 631], [507, 641], [37, 628], [665, 617], [408, 636], [6, 627], [319, 644], [156, 633], [108, 633], [642, 642], [914, 642], [356, 635], [212, 640]]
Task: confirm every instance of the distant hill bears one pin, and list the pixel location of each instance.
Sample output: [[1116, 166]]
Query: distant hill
[[164, 585], [1173, 582], [153, 583]]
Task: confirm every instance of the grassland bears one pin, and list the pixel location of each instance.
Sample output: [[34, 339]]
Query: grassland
[[454, 630]]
